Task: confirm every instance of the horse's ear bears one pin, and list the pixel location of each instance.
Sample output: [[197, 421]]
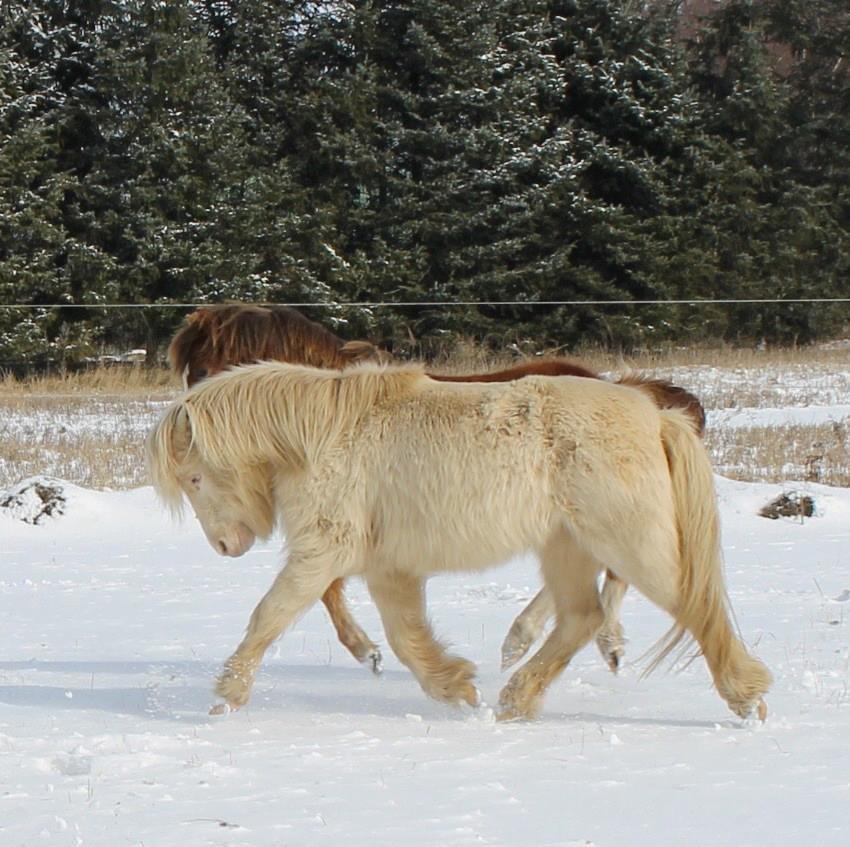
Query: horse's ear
[[181, 431], [364, 351]]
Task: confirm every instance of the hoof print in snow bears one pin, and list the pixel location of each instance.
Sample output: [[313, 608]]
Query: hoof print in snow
[[791, 504], [33, 500]]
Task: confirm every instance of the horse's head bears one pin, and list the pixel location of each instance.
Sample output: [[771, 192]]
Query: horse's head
[[195, 352], [234, 507], [223, 519]]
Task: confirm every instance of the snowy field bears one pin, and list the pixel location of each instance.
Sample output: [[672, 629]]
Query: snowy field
[[115, 622]]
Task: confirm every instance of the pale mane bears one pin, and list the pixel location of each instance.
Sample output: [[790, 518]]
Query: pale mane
[[165, 448], [285, 413]]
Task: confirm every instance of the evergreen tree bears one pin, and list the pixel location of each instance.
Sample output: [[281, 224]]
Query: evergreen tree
[[46, 147], [284, 66], [777, 222], [583, 139], [415, 150]]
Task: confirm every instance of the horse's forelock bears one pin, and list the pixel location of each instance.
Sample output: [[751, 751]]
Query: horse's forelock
[[167, 446]]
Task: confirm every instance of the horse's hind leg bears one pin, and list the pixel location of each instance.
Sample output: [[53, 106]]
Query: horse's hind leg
[[400, 599], [649, 560], [610, 639], [527, 627], [571, 578], [351, 636]]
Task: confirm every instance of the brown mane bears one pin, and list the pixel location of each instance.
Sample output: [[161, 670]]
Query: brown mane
[[216, 337], [668, 396], [536, 367]]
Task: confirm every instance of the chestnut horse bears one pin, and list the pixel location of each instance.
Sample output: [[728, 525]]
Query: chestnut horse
[[387, 474], [216, 337]]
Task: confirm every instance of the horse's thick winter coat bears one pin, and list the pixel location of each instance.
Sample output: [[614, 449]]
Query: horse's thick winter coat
[[216, 337], [392, 475]]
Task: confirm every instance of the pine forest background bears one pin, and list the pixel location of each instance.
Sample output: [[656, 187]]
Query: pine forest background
[[416, 151]]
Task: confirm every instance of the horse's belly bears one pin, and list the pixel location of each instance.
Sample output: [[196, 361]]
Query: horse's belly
[[462, 536]]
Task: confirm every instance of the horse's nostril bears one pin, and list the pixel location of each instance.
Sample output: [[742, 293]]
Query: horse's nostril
[[222, 548]]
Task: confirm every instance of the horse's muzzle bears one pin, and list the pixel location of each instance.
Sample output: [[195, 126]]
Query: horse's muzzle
[[235, 542]]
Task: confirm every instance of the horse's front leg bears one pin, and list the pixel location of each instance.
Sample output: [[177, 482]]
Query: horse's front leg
[[349, 632], [400, 599], [297, 587]]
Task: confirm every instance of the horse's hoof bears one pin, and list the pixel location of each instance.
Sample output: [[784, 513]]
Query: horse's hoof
[[221, 709], [471, 695], [510, 714], [612, 650], [761, 711], [514, 647], [234, 684], [375, 661], [612, 657], [515, 702]]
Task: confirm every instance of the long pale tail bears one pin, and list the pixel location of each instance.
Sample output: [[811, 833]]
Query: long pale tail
[[703, 611]]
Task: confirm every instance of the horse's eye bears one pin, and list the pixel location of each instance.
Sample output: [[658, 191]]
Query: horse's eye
[[196, 481]]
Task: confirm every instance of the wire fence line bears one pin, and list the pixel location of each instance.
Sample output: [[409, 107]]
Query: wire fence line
[[432, 304]]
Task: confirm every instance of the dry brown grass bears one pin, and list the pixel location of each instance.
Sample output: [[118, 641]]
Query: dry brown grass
[[726, 358], [816, 453], [124, 381], [86, 428], [466, 355], [89, 428]]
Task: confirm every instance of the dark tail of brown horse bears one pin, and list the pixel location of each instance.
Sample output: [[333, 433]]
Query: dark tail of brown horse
[[668, 396]]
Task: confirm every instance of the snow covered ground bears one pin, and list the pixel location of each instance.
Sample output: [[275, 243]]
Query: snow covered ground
[[115, 622]]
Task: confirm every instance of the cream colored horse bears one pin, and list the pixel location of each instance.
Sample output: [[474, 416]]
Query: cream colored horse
[[385, 473]]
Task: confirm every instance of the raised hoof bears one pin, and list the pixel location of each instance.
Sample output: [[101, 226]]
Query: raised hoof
[[514, 647], [612, 650], [375, 661], [612, 658], [220, 709]]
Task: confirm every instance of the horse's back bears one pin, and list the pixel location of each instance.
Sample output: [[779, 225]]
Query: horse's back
[[494, 467]]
